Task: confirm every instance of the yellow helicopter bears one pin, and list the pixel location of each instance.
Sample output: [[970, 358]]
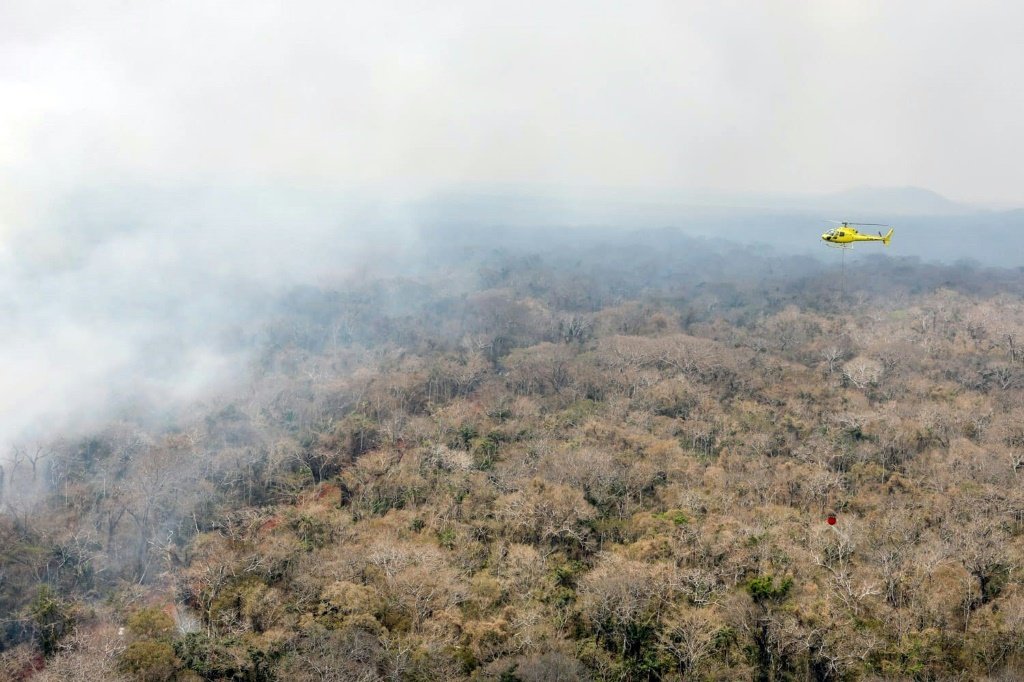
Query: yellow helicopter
[[845, 235]]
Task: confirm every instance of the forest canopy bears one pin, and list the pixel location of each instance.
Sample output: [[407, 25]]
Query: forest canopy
[[552, 454]]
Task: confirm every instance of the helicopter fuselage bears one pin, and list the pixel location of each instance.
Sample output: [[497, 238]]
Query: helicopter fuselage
[[844, 234]]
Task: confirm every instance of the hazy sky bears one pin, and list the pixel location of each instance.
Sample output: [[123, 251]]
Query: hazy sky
[[800, 97], [137, 138]]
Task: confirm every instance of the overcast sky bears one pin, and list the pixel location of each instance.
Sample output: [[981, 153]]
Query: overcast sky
[[799, 97]]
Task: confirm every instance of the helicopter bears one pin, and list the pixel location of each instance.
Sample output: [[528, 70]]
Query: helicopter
[[845, 235]]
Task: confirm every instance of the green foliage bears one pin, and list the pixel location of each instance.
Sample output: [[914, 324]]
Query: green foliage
[[52, 619], [918, 655], [360, 434], [993, 580], [676, 516], [465, 435], [151, 656], [509, 674], [578, 412], [467, 660], [567, 574], [764, 588], [446, 537], [312, 531], [227, 658], [501, 413], [239, 602], [150, 660], [644, 660], [150, 623], [484, 450], [609, 527]]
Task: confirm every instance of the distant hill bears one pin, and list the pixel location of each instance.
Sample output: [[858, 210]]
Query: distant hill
[[893, 201], [928, 225], [545, 206]]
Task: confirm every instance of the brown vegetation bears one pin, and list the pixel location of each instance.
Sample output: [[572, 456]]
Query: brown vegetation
[[545, 477]]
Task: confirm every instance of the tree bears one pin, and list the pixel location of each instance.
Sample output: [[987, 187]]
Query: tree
[[623, 603]]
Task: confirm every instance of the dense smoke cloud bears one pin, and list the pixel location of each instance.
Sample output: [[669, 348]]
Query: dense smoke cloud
[[140, 299], [797, 97], [152, 151]]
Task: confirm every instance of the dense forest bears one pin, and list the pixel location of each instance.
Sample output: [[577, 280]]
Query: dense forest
[[552, 455]]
